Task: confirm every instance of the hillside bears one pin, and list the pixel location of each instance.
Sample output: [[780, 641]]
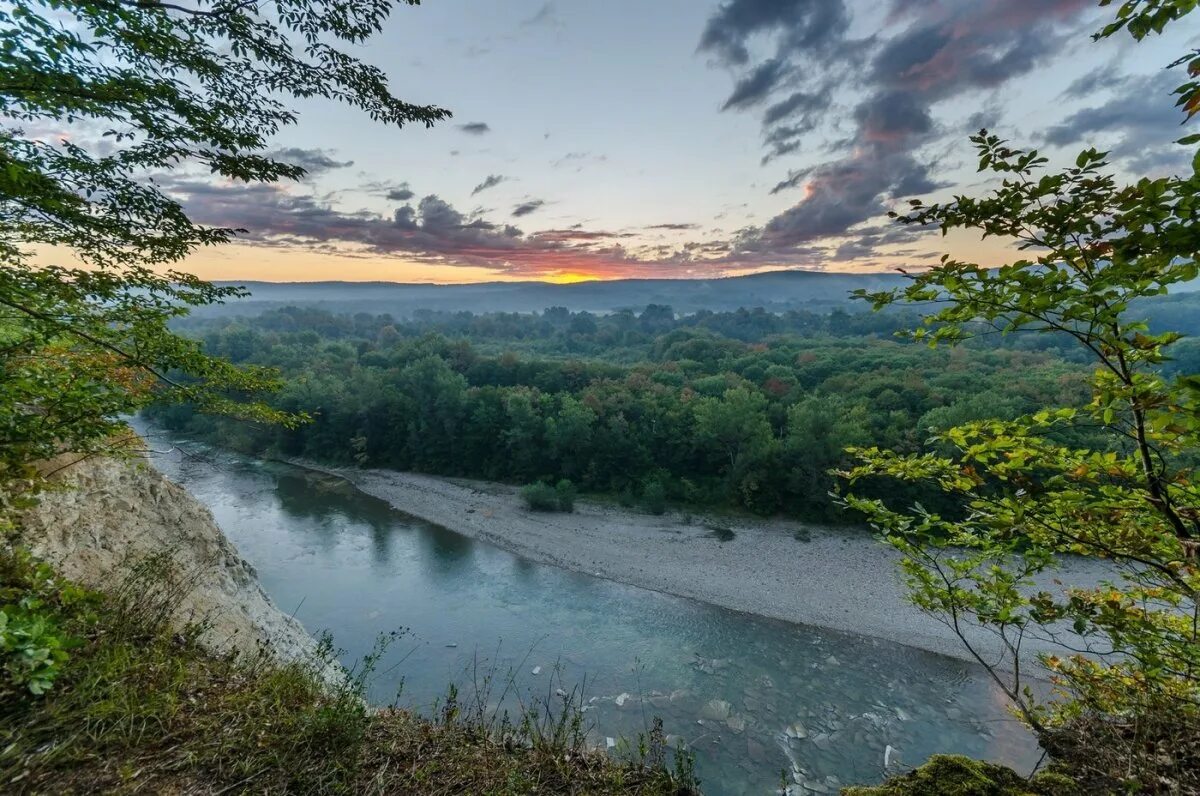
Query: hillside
[[774, 290]]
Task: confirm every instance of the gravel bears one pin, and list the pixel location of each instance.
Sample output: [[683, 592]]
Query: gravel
[[842, 579]]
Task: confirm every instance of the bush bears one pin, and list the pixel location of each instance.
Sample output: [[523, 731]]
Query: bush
[[33, 645], [540, 496], [565, 492], [654, 497], [626, 499]]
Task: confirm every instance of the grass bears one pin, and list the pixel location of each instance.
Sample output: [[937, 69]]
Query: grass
[[141, 707]]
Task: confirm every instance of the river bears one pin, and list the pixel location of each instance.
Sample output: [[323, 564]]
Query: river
[[750, 696]]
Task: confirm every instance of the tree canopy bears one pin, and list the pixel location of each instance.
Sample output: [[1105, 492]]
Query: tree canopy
[[103, 101]]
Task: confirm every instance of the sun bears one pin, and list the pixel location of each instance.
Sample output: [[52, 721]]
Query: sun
[[570, 277]]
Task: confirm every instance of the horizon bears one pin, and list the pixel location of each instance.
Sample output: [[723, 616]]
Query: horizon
[[552, 283], [709, 140]]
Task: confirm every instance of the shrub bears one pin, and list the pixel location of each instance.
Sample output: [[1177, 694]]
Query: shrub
[[654, 497], [33, 645], [565, 492], [540, 496], [627, 499]]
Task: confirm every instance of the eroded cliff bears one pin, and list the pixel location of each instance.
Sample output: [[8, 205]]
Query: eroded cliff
[[105, 516]]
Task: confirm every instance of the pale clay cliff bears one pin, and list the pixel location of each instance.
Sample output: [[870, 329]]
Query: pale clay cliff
[[112, 513]]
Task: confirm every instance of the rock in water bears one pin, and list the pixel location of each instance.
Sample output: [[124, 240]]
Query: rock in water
[[716, 710], [755, 751]]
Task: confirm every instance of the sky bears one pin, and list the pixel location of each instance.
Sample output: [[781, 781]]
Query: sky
[[686, 138]]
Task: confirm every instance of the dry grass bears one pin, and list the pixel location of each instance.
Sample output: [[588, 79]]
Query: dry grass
[[1155, 752]]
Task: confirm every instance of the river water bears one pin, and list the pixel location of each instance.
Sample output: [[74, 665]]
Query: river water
[[750, 696]]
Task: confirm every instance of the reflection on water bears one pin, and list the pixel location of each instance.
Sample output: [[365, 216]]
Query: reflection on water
[[751, 696]]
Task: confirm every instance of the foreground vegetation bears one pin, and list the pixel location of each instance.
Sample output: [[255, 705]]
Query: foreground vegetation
[[139, 707], [953, 775]]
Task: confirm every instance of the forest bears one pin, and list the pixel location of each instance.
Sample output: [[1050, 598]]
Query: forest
[[744, 410]]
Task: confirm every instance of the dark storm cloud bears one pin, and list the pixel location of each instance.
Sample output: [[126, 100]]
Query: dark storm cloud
[[475, 128], [313, 161], [525, 208], [491, 181], [400, 193], [943, 49]]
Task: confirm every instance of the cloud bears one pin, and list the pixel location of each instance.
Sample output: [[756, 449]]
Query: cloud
[[491, 181], [475, 128], [675, 227], [755, 87], [927, 51], [547, 16], [801, 104], [1139, 116], [576, 235], [401, 193], [525, 208], [578, 160], [314, 161], [800, 25], [434, 231]]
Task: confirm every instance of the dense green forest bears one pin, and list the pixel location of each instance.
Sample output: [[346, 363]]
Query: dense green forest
[[745, 409]]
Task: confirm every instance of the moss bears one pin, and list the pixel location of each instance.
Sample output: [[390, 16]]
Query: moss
[[953, 775]]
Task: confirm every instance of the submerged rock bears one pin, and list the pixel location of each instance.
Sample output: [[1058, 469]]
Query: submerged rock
[[716, 710], [755, 751]]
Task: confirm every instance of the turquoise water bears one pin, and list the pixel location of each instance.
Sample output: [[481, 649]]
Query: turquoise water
[[750, 696]]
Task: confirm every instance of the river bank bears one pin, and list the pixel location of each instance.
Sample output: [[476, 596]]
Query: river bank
[[841, 579]]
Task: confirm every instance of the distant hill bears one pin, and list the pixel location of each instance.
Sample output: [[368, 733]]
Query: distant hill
[[775, 290]]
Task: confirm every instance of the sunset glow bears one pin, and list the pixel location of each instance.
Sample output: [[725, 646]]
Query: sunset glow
[[749, 153]]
